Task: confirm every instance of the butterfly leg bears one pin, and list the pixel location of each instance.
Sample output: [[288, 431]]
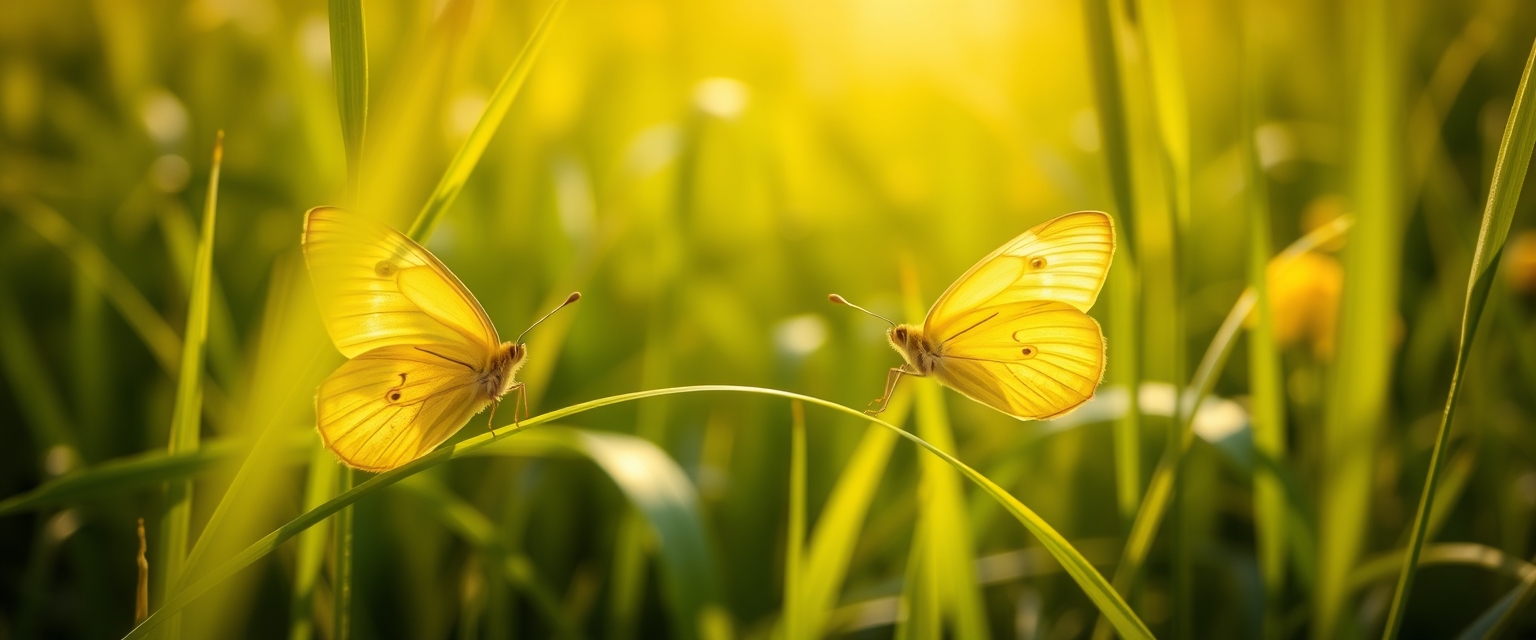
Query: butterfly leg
[[891, 378], [490, 421], [521, 402]]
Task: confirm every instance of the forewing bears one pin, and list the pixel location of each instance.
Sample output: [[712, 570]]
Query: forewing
[[1030, 360], [390, 405], [378, 288], [1065, 260]]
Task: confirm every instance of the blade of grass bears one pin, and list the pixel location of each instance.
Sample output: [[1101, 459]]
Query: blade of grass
[[920, 613], [141, 592], [1159, 491], [842, 518], [794, 625], [1493, 622], [1125, 285], [122, 474], [341, 555], [666, 503], [1356, 404], [469, 153], [311, 553], [1171, 113], [1267, 404], [223, 340], [90, 373], [283, 380], [1092, 583], [469, 523], [141, 316], [186, 419], [947, 553], [1388, 564], [39, 399], [349, 66], [1503, 196]]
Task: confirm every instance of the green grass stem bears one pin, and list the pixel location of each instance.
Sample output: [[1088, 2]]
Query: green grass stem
[[186, 420], [1503, 196], [1094, 585]]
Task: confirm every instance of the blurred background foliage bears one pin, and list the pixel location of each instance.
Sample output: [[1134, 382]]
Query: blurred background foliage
[[706, 172]]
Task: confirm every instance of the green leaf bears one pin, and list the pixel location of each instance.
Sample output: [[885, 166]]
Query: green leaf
[[842, 518], [320, 486], [1093, 584], [1503, 195], [1124, 279], [124, 474], [469, 153], [667, 500], [794, 623], [944, 550], [1265, 375], [186, 419], [349, 66], [1354, 412]]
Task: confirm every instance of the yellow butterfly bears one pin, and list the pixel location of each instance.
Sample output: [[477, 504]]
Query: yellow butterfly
[[424, 356], [1012, 333]]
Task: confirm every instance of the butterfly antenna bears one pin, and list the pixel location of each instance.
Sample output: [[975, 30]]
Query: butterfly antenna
[[575, 295], [837, 299]]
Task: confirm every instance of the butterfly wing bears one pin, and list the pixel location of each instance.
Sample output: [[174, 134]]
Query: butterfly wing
[[378, 288], [1065, 259], [390, 405], [1031, 360]]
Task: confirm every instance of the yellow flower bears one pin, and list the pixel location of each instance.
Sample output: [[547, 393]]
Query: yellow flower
[[1520, 263], [1304, 301]]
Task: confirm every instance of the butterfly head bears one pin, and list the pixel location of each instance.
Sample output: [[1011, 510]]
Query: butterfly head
[[510, 356]]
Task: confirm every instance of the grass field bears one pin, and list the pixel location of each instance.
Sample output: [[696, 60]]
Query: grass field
[[1318, 420]]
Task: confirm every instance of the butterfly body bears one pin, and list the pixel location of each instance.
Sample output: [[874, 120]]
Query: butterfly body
[[1012, 332], [922, 355], [501, 375]]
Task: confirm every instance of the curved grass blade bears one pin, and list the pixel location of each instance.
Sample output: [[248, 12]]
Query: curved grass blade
[[1125, 284], [794, 623], [1159, 491], [186, 419], [1503, 195], [1093, 584], [1497, 618], [468, 156], [122, 474], [1446, 553]]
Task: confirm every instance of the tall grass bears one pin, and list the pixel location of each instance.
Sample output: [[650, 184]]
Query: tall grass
[[1503, 194], [1323, 441]]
